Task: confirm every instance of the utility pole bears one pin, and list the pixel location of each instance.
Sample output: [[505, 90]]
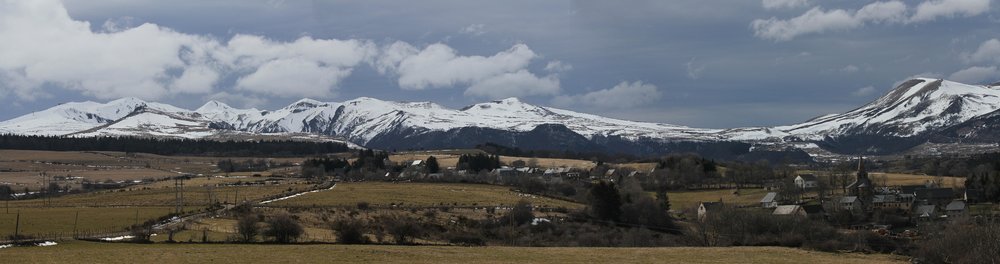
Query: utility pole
[[76, 221], [137, 217], [17, 226]]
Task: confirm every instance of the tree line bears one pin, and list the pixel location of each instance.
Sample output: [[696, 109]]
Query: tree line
[[172, 146]]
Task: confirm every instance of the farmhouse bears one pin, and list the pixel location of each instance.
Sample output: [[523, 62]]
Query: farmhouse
[[790, 210], [770, 200], [806, 181], [955, 209]]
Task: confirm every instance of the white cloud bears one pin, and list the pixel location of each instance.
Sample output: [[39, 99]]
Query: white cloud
[[293, 78], [782, 4], [503, 74], [694, 69], [818, 20], [976, 75], [988, 52], [515, 84], [813, 21], [237, 100], [474, 29], [623, 95], [933, 9], [44, 47], [558, 66], [864, 91]]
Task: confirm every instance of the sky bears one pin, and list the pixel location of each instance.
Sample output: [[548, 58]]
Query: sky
[[699, 63]]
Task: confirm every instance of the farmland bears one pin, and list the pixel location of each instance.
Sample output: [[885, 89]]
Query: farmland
[[687, 199], [419, 194], [64, 219], [91, 252]]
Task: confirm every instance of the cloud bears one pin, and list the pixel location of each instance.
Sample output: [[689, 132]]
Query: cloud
[[783, 4], [440, 66], [864, 91], [293, 78], [988, 52], [474, 29], [850, 69], [813, 21], [237, 100], [976, 75], [931, 10], [818, 20], [558, 66], [44, 47], [515, 84], [694, 69], [623, 95]]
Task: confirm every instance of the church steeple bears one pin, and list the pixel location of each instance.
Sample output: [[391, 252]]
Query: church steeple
[[861, 166]]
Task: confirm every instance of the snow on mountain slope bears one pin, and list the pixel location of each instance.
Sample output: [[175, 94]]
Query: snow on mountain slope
[[76, 116], [914, 107]]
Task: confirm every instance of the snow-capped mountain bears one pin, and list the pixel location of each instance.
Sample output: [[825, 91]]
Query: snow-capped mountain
[[916, 111]]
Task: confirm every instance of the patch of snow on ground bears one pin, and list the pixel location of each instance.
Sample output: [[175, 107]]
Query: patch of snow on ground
[[47, 244], [117, 238], [296, 195]]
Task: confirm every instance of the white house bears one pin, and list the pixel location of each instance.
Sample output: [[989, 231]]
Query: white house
[[806, 181]]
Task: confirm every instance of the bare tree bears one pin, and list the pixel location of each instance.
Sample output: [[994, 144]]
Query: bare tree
[[247, 228]]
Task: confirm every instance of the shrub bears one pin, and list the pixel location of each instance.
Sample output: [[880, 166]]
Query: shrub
[[283, 229]]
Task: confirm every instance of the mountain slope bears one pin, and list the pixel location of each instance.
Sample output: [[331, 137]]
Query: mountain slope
[[916, 111]]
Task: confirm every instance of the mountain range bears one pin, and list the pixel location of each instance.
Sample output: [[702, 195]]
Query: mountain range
[[917, 113]]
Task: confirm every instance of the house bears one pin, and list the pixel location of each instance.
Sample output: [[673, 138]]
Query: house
[[707, 207], [925, 211], [955, 208], [892, 201], [770, 200], [806, 181], [790, 210], [850, 203]]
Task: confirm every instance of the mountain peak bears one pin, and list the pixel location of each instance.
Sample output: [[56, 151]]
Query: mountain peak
[[306, 103], [510, 101], [213, 106]]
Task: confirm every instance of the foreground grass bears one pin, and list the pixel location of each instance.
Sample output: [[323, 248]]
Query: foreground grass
[[419, 194], [92, 252]]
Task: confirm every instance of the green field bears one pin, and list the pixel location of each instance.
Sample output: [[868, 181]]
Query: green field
[[62, 219], [90, 252], [419, 194]]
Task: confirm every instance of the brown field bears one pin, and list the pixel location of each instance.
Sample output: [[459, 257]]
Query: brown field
[[37, 221], [91, 252], [163, 196], [913, 179], [21, 168], [687, 199], [449, 158], [418, 194]]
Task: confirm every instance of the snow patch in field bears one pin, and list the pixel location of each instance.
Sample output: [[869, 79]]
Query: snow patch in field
[[296, 195], [118, 238], [47, 244]]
